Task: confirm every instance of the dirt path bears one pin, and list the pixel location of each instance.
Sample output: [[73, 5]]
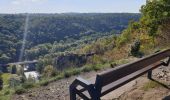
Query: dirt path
[[54, 91], [132, 91], [158, 92]]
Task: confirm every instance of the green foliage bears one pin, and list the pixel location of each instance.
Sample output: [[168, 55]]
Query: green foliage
[[53, 33], [20, 90], [87, 68], [153, 15], [6, 94], [1, 81], [70, 72], [44, 83], [4, 58], [135, 48], [28, 85], [14, 69], [6, 77], [14, 81], [150, 85], [49, 71], [127, 35], [97, 67]]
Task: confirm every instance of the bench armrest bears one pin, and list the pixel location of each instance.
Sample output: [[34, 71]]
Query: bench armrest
[[84, 83], [166, 63]]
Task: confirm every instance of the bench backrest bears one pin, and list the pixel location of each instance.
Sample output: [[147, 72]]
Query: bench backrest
[[110, 76]]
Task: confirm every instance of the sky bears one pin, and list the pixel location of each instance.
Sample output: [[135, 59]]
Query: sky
[[64, 6]]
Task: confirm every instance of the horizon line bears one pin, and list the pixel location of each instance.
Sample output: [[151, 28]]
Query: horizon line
[[76, 13]]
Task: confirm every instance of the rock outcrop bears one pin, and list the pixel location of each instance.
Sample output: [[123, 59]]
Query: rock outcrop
[[71, 60]]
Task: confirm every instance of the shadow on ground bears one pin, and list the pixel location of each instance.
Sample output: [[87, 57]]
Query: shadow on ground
[[166, 98], [162, 84]]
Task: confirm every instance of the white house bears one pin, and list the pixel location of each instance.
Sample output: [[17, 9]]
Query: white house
[[33, 74]]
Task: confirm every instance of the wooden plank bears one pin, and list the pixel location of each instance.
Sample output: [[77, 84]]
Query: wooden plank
[[124, 70], [114, 85]]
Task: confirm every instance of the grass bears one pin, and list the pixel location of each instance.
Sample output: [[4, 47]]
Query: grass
[[150, 85], [20, 90], [6, 77], [28, 85], [7, 92], [76, 71]]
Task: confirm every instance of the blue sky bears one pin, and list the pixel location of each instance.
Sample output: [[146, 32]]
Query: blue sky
[[62, 6]]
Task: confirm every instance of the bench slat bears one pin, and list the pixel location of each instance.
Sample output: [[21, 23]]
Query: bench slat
[[114, 85], [124, 70]]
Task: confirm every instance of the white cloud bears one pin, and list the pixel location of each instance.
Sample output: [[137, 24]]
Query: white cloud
[[17, 2]]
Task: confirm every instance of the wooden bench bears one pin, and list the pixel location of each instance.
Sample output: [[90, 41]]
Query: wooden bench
[[108, 81]]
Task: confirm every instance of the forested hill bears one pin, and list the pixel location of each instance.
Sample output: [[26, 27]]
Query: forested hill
[[50, 28]]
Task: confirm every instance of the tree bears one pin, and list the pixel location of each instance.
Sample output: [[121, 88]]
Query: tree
[[1, 81], [153, 15], [4, 59], [14, 69]]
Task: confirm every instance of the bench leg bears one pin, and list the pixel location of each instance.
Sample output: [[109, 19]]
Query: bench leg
[[150, 74], [72, 93], [96, 98], [168, 62]]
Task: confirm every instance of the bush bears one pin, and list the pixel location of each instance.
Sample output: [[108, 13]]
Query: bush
[[76, 71], [97, 67], [70, 72], [44, 83], [49, 71], [87, 69], [1, 82], [135, 49], [7, 92], [20, 90], [14, 69], [114, 64], [67, 74], [28, 85]]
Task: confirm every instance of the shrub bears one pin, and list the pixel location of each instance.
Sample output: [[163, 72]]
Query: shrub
[[76, 71], [1, 82], [135, 48], [97, 67], [7, 92], [20, 90], [112, 65], [44, 83], [67, 74], [14, 81], [87, 69], [14, 69], [49, 71], [28, 85]]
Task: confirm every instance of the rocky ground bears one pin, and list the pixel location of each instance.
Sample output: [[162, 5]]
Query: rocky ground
[[132, 91], [159, 92], [54, 91]]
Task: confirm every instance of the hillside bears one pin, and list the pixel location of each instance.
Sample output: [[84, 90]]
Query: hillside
[[48, 30]]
